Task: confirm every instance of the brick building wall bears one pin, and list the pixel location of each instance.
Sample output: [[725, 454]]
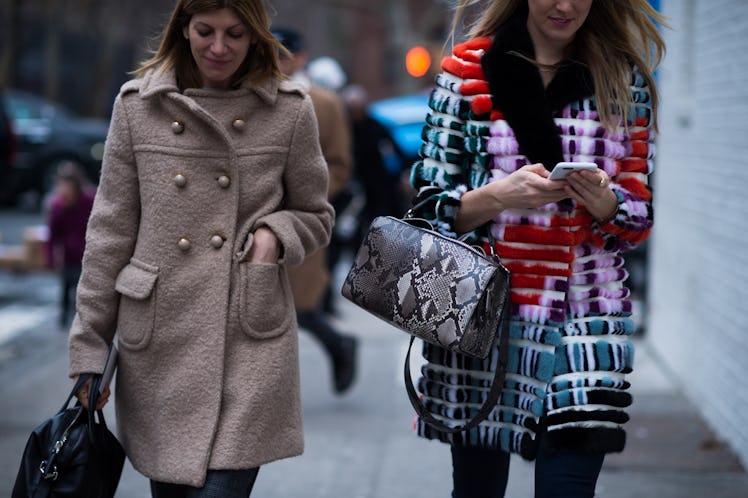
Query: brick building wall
[[698, 277]]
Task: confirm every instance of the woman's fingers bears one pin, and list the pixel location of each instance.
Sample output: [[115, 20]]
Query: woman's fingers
[[84, 392]]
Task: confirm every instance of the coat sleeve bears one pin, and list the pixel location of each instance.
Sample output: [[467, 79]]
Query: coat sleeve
[[110, 240], [305, 222], [634, 218]]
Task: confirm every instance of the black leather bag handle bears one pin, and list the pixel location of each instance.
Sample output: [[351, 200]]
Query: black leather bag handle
[[493, 394]]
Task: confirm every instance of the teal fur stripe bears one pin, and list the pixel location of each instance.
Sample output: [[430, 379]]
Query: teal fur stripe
[[464, 413], [442, 137], [449, 103], [598, 356], [610, 382], [531, 362], [437, 153], [444, 121], [484, 436], [619, 326]]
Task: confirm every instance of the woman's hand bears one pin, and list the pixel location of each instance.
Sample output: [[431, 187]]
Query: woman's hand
[[265, 247], [528, 187], [84, 390], [591, 189]]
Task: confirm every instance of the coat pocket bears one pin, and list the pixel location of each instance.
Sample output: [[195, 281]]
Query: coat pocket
[[265, 302], [137, 307]]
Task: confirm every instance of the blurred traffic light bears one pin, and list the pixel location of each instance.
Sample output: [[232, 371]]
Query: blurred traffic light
[[417, 61]]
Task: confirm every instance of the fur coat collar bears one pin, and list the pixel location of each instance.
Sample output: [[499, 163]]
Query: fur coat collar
[[518, 92]]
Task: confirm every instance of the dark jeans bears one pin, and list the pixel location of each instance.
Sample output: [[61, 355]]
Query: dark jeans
[[218, 484], [479, 473]]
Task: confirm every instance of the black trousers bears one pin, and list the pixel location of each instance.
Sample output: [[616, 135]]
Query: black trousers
[[480, 473], [218, 484]]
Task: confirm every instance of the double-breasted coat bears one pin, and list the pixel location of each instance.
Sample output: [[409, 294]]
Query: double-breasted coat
[[208, 374]]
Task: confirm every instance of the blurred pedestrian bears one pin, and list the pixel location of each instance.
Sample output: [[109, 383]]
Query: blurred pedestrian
[[310, 280], [326, 72], [376, 158], [540, 82], [69, 208], [213, 183]]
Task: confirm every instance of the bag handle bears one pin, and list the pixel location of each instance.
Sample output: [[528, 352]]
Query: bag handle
[[493, 394]]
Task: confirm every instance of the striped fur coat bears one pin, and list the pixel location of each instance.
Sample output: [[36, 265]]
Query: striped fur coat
[[571, 314]]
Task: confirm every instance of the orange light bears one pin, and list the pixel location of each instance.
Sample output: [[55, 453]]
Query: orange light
[[417, 61]]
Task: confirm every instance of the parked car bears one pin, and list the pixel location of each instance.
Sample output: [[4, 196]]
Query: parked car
[[7, 152], [404, 116], [48, 134]]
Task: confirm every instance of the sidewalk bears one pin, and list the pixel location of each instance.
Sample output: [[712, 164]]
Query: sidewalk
[[361, 445]]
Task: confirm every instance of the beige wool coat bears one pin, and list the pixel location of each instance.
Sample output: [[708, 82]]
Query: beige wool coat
[[208, 375]]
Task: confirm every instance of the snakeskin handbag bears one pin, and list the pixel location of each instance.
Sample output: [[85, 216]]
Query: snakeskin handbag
[[436, 288]]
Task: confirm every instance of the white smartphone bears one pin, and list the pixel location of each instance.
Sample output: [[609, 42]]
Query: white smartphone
[[562, 169]]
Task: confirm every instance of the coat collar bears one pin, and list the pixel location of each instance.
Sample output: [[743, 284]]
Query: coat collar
[[518, 92], [157, 82]]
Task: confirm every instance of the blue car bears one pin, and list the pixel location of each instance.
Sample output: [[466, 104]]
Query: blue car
[[404, 117]]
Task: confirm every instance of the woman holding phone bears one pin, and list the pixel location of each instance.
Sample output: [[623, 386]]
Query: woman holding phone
[[541, 82]]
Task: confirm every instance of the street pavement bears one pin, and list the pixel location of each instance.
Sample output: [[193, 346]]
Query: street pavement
[[361, 444]]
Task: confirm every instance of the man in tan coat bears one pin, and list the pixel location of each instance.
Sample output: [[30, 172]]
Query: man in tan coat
[[310, 281]]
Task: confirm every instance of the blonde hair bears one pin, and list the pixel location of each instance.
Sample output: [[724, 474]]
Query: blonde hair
[[615, 35], [174, 52]]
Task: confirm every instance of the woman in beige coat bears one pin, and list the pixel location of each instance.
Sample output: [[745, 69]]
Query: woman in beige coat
[[213, 183]]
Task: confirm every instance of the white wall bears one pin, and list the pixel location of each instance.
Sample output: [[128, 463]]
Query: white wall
[[698, 277]]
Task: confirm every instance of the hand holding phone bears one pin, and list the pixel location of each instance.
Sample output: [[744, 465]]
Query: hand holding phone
[[562, 169]]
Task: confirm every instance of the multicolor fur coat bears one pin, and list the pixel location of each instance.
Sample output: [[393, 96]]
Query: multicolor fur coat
[[571, 313]]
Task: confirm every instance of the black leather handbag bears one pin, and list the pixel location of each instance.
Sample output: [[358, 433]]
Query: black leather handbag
[[72, 454], [438, 289]]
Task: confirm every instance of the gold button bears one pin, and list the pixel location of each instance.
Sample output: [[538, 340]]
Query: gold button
[[224, 181], [184, 244], [177, 127], [239, 124], [180, 181], [216, 241]]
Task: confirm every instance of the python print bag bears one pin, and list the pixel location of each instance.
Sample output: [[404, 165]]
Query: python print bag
[[436, 288]]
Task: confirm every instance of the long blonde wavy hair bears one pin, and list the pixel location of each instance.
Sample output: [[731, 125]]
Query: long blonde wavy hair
[[615, 35], [174, 52]]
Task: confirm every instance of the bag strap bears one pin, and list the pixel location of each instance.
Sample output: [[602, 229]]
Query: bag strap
[[493, 394]]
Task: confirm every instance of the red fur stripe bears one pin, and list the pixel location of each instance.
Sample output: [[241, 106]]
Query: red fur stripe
[[481, 104], [474, 87], [520, 298], [639, 149], [466, 71], [556, 237], [545, 254], [496, 115], [635, 237], [482, 43], [528, 282], [642, 121], [642, 134], [634, 165], [517, 268], [636, 187]]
